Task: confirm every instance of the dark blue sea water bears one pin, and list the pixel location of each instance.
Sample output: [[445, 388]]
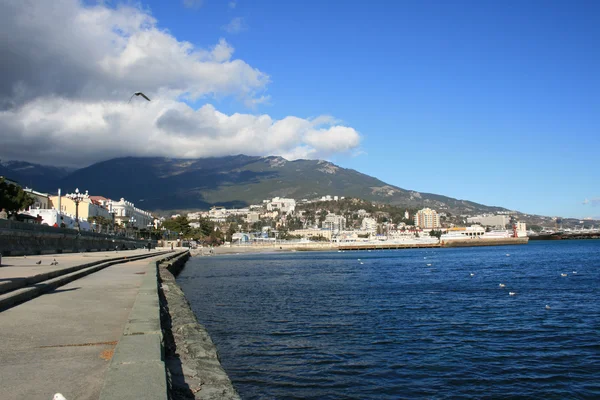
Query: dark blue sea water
[[406, 324]]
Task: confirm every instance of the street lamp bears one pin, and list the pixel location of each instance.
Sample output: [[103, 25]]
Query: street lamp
[[150, 230], [132, 221], [77, 198]]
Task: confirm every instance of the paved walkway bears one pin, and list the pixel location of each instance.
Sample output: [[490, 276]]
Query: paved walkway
[[63, 341], [25, 266]]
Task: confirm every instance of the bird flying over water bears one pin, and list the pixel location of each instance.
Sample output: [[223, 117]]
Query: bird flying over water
[[138, 94]]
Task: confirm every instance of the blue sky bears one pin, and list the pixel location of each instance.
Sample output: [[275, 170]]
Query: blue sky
[[494, 102]]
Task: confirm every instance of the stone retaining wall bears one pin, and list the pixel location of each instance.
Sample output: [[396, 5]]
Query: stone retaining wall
[[193, 366], [19, 238]]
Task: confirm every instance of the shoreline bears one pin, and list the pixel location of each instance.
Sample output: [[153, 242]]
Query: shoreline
[[287, 248], [192, 362]]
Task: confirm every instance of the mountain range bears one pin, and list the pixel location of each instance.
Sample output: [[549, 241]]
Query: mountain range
[[156, 183]]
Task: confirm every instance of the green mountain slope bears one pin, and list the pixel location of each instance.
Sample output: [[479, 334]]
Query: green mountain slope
[[237, 181]]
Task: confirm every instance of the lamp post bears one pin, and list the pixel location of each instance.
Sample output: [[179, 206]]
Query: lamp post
[[77, 197], [131, 222], [150, 229]]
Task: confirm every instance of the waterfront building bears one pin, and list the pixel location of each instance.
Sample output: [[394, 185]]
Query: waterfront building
[[521, 229], [334, 223], [41, 200], [462, 232], [427, 219], [499, 221], [87, 207], [312, 232], [368, 224], [126, 213], [406, 215]]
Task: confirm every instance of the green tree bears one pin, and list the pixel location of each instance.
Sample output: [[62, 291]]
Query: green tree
[[177, 225], [434, 233], [232, 229], [12, 197], [319, 238]]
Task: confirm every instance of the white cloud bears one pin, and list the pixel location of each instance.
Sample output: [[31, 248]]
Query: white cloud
[[59, 131], [232, 4], [594, 201], [193, 3], [65, 86], [236, 25]]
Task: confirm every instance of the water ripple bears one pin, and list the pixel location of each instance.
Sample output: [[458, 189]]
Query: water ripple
[[322, 326]]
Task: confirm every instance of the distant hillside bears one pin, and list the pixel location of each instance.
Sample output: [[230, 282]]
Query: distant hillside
[[39, 177], [237, 181]]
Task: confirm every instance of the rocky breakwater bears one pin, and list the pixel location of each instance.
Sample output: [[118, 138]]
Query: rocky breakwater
[[193, 366]]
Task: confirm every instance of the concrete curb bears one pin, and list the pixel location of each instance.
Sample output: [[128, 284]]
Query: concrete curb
[[58, 278], [137, 369]]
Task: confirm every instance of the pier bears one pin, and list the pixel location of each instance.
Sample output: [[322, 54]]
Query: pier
[[387, 246]]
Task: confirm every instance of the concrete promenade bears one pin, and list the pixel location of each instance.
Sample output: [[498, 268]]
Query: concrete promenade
[[64, 340]]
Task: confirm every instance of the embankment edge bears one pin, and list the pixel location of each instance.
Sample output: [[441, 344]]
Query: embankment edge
[[194, 370]]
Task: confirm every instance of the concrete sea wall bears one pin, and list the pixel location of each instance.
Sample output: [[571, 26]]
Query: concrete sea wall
[[19, 238], [485, 242], [191, 358]]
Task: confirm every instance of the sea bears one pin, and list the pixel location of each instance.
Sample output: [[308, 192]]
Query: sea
[[506, 322]]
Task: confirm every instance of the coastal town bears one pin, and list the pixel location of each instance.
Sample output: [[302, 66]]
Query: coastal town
[[284, 221], [321, 222]]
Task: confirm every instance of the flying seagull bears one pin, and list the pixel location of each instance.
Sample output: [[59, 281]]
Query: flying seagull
[[138, 94]]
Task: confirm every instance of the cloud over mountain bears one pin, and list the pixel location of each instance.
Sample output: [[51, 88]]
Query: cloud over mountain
[[69, 69]]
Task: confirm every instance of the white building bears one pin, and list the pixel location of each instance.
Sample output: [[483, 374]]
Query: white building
[[252, 217], [334, 223], [427, 219], [309, 233], [368, 224], [41, 200], [490, 220], [126, 213], [286, 206]]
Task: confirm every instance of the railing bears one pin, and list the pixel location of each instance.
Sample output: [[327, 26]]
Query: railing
[[6, 224]]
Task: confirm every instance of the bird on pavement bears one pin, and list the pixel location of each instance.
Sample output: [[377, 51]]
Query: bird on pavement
[[138, 94], [39, 262], [54, 262], [59, 396]]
